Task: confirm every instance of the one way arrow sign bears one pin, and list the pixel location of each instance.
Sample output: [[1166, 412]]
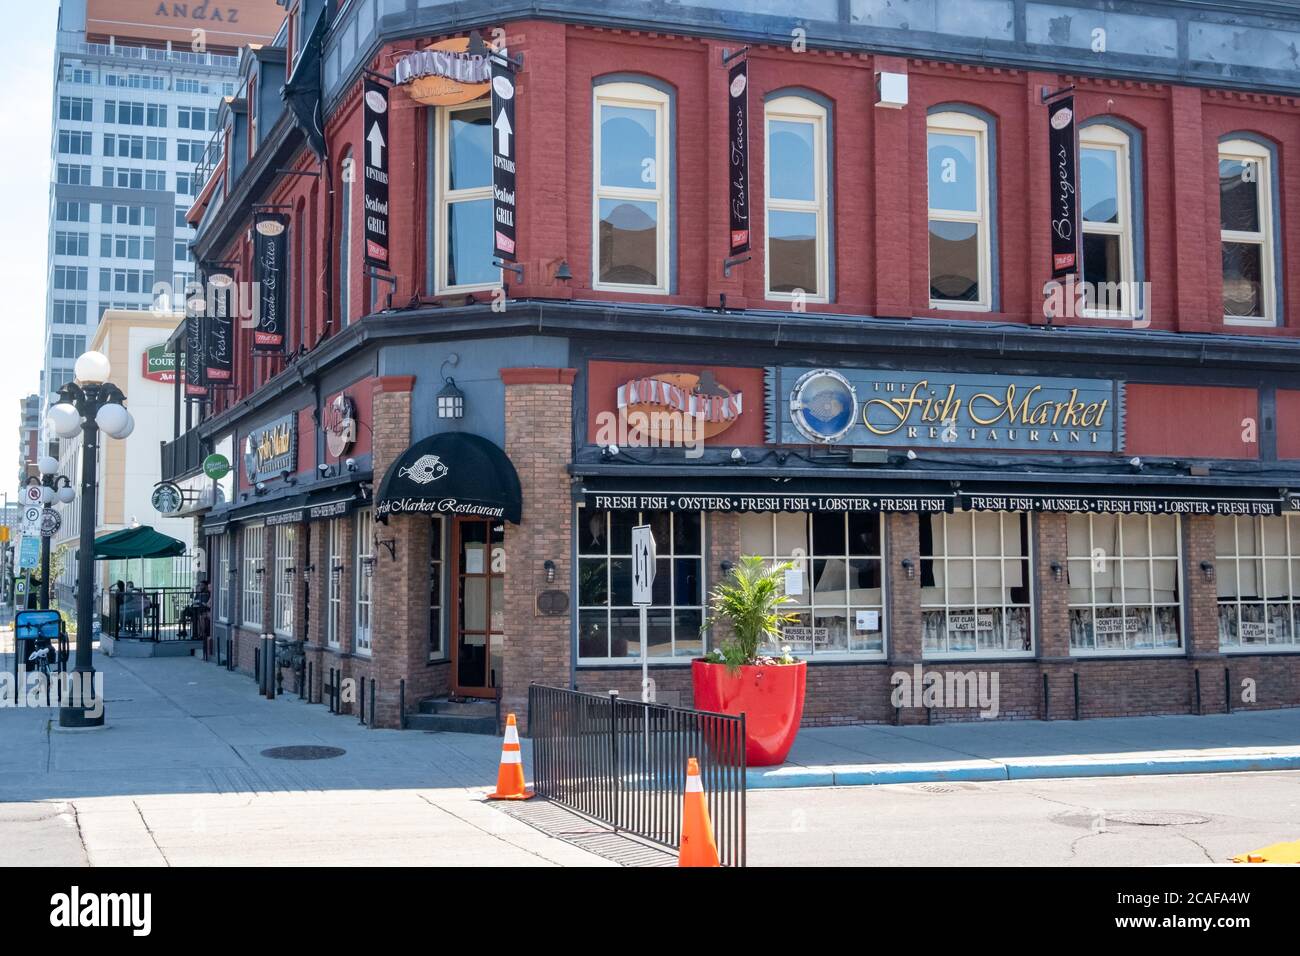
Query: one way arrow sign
[[643, 565]]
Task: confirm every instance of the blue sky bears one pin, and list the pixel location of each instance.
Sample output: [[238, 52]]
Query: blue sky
[[27, 55]]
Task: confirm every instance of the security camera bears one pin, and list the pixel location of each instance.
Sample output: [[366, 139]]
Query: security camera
[[1135, 462], [737, 455], [323, 468], [350, 464], [911, 455], [609, 451]]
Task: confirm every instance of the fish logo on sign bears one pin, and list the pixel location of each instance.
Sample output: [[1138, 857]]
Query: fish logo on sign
[[425, 469]]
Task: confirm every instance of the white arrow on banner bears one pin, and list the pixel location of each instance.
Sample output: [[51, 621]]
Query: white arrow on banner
[[504, 128], [377, 144]]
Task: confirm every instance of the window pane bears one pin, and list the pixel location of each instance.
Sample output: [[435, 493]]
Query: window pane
[[954, 261], [792, 251], [954, 173], [1239, 195], [1099, 185], [629, 242], [1103, 272], [1243, 279], [791, 154], [469, 243], [470, 147], [627, 147]]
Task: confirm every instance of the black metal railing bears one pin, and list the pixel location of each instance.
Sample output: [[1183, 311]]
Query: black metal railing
[[182, 455], [150, 614], [623, 762]]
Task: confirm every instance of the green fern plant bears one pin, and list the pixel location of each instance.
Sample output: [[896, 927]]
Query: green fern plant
[[749, 600]]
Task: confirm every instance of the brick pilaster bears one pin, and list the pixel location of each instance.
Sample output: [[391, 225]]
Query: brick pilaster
[[1201, 631], [539, 428]]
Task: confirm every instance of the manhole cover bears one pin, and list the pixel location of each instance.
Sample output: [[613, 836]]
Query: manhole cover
[[935, 788], [303, 752], [1154, 818]]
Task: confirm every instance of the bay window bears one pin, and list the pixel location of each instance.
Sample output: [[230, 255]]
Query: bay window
[[837, 584], [1246, 224], [960, 214], [608, 622], [797, 260], [1124, 573], [1257, 572], [630, 195], [975, 591]]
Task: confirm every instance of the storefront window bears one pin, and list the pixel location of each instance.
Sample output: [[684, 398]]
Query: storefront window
[[364, 568], [975, 584], [251, 579], [224, 579], [1257, 569], [1124, 573], [839, 597], [437, 650], [284, 541], [608, 622], [334, 592]]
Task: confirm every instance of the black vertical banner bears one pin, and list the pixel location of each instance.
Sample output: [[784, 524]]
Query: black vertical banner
[[374, 116], [1065, 194], [270, 245], [219, 332], [738, 154], [194, 384], [505, 147]]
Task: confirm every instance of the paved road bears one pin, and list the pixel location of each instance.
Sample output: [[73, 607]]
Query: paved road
[[1010, 823]]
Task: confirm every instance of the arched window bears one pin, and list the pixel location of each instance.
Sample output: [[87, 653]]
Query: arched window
[[796, 177], [347, 173], [631, 172], [1247, 209], [1109, 214], [961, 214]]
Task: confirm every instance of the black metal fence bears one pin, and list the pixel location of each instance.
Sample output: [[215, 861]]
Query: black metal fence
[[623, 762], [151, 614]]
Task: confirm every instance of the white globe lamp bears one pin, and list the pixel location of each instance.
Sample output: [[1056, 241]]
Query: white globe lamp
[[112, 419], [66, 494], [92, 368], [48, 464], [64, 419]]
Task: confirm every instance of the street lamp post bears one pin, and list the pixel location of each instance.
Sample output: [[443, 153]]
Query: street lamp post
[[54, 487], [89, 404]]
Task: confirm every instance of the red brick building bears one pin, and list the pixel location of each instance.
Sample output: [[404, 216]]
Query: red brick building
[[1094, 499]]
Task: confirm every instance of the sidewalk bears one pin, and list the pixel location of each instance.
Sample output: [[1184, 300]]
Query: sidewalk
[[1035, 749]]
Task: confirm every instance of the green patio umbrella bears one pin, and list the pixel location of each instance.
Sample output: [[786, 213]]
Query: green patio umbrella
[[138, 542]]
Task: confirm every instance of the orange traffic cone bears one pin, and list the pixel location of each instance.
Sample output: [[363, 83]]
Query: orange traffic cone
[[510, 775], [698, 846]]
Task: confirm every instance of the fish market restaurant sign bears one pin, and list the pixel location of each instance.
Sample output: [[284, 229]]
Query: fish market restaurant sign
[[453, 474], [943, 410]]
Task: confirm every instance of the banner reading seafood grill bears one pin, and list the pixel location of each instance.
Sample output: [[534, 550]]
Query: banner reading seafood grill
[[920, 409]]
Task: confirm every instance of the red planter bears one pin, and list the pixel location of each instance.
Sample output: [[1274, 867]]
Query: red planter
[[770, 697]]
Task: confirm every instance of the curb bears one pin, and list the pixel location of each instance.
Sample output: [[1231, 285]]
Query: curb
[[867, 775]]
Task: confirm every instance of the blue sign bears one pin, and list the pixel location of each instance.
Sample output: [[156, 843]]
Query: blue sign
[[929, 409], [29, 553]]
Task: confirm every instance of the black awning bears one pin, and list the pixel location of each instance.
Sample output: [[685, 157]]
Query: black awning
[[452, 473]]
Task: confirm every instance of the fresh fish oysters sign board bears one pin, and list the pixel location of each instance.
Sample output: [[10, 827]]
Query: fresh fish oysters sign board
[[375, 166], [505, 147]]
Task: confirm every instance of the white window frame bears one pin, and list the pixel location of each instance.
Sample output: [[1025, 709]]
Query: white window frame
[[797, 109], [635, 96], [1073, 563], [807, 601], [1290, 558], [334, 570], [963, 124], [446, 197], [363, 569], [251, 556], [1243, 150], [1004, 558], [1102, 136], [285, 539], [665, 550], [225, 579]]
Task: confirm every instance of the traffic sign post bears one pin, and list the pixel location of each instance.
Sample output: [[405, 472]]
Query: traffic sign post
[[643, 579]]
